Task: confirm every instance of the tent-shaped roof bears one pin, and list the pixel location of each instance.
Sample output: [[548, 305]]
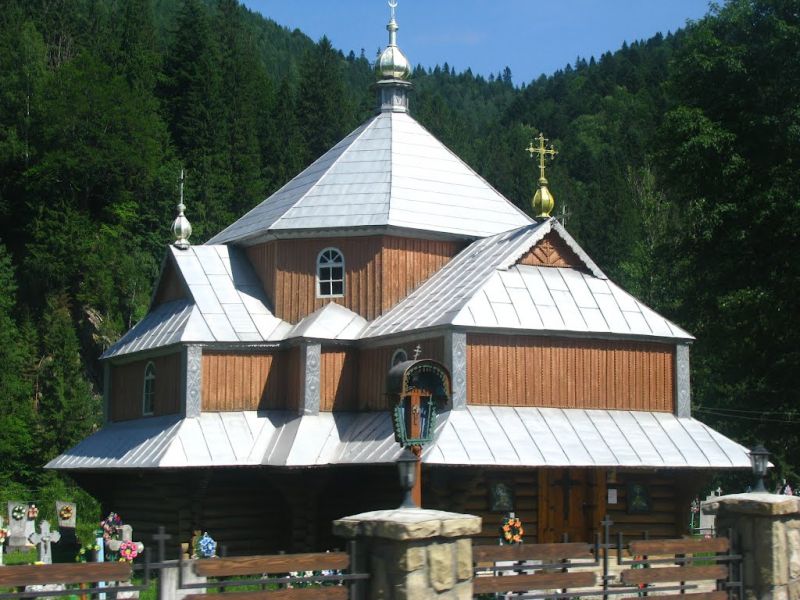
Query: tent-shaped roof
[[484, 287], [389, 173], [225, 303]]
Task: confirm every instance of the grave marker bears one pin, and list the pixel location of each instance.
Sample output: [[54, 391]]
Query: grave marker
[[67, 514], [17, 525], [43, 540], [127, 536]]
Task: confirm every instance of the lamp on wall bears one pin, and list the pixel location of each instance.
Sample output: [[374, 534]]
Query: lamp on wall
[[407, 467], [759, 459]]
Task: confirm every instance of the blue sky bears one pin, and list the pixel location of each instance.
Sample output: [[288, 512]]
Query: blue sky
[[530, 36]]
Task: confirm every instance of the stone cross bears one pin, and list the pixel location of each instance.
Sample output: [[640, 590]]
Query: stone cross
[[67, 526], [127, 536], [43, 540]]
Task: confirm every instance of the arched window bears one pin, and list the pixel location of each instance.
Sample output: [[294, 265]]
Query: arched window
[[398, 357], [330, 273], [149, 389]]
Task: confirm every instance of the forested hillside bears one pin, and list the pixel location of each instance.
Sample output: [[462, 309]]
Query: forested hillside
[[677, 171]]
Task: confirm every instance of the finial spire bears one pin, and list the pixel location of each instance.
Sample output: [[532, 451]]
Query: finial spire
[[393, 69], [543, 200], [181, 228]]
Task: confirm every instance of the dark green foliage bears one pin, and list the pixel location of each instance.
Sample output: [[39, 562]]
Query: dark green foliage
[[677, 170], [730, 149]]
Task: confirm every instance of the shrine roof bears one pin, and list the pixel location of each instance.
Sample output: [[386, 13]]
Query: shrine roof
[[225, 303], [390, 172], [480, 436], [484, 287]]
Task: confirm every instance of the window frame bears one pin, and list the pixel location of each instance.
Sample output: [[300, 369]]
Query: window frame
[[149, 389], [331, 263]]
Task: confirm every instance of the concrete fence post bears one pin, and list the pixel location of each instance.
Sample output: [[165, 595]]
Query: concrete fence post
[[412, 553], [766, 528]]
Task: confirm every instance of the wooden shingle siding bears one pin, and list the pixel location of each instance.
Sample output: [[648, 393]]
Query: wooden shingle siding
[[262, 257], [408, 262], [127, 385], [374, 364], [244, 381], [379, 272], [506, 370], [338, 380]]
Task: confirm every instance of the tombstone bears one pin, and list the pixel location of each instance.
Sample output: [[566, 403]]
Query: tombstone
[[69, 546], [17, 525], [43, 540], [707, 521]]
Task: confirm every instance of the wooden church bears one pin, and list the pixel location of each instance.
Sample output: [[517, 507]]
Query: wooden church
[[251, 402]]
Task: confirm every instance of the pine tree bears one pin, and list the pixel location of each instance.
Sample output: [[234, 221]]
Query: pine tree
[[323, 112]]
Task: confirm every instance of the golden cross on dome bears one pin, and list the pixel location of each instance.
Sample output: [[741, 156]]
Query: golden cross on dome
[[542, 151]]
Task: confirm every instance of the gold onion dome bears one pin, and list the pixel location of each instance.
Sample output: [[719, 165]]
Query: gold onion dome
[[543, 200], [392, 63]]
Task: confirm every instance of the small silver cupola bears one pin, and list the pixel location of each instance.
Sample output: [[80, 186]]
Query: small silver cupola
[[181, 228], [393, 70]]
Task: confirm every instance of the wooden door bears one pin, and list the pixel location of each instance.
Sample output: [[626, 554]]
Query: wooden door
[[569, 503]]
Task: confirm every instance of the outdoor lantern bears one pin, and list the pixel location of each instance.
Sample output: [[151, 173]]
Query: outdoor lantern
[[413, 420], [417, 389], [759, 458], [407, 467]]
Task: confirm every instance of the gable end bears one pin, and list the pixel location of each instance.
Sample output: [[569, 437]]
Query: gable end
[[552, 251]]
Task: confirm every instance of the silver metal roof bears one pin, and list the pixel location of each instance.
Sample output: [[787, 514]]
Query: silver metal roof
[[482, 287], [478, 436], [226, 304], [331, 322], [390, 172]]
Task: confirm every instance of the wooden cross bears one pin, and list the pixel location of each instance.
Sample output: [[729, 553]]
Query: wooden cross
[[43, 539], [542, 151], [566, 483], [161, 538]]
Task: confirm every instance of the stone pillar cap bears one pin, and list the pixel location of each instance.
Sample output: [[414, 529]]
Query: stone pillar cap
[[407, 524], [753, 503]]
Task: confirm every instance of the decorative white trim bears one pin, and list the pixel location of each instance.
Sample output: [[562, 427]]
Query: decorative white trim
[[149, 388], [193, 379], [683, 384], [310, 359], [455, 359], [334, 263]]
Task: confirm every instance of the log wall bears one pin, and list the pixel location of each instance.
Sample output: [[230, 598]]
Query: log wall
[[507, 370], [668, 516], [467, 491], [379, 271], [127, 387], [234, 381]]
